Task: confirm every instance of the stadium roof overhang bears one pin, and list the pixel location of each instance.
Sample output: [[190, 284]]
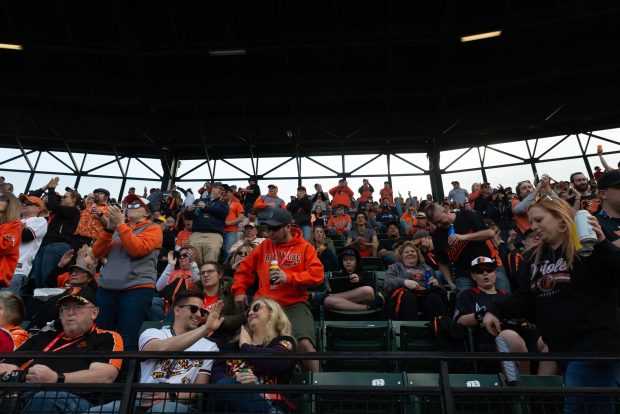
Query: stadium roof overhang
[[274, 78]]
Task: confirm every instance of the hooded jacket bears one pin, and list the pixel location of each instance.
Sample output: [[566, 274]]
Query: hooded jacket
[[297, 258]]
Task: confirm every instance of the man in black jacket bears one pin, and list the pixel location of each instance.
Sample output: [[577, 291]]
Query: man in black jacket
[[301, 207]]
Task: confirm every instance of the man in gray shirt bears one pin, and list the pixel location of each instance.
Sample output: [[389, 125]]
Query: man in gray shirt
[[458, 194]]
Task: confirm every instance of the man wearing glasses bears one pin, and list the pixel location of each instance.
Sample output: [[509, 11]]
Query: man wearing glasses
[[78, 311], [285, 265], [186, 334]]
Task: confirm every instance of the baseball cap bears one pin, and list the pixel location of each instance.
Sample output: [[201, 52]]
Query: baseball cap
[[391, 223], [419, 235], [83, 295], [131, 198], [454, 182], [32, 199], [249, 224], [102, 190], [420, 214], [277, 217], [483, 261], [272, 186], [609, 179], [160, 219], [218, 184]]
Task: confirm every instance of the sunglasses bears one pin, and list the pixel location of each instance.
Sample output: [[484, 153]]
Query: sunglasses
[[275, 228], [28, 204], [257, 306], [194, 309], [184, 255], [135, 206], [482, 270]]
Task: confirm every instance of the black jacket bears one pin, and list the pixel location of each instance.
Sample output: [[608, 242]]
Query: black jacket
[[301, 208], [64, 220]]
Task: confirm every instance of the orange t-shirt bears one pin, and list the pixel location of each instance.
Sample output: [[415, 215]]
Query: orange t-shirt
[[235, 209], [19, 335], [209, 302], [339, 223], [521, 220], [387, 195], [183, 238], [89, 224]]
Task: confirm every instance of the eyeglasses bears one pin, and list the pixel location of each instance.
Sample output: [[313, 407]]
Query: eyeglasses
[[184, 255], [482, 270], [275, 228], [242, 253], [28, 204], [76, 308], [208, 271], [194, 309], [134, 206], [257, 306]]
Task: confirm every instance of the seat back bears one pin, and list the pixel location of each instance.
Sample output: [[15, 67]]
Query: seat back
[[373, 263], [356, 336], [468, 403], [414, 336]]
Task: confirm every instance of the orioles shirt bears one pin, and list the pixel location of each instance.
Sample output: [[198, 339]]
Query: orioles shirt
[[591, 202]]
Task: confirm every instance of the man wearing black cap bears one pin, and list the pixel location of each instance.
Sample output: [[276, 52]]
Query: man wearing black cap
[[92, 219], [609, 217], [208, 226], [301, 207], [78, 311], [388, 246]]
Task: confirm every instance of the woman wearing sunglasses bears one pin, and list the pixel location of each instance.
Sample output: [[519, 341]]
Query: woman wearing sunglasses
[[573, 298], [180, 274], [10, 237], [268, 331], [129, 275], [216, 287], [234, 259]]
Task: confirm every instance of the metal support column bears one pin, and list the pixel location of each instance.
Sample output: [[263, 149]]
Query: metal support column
[[435, 172], [169, 163]]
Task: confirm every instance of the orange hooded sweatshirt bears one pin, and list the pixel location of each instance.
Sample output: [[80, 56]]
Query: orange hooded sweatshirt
[[10, 239], [297, 258]]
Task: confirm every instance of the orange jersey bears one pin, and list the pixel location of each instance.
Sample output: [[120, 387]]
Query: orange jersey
[[521, 220], [10, 239], [183, 238], [387, 195], [19, 335], [297, 258], [339, 223], [89, 224], [136, 246], [235, 209], [341, 196]]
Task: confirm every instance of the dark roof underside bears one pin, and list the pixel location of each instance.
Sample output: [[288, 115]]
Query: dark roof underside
[[317, 78]]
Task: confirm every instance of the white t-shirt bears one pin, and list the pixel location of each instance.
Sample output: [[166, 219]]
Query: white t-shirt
[[174, 371], [28, 250]]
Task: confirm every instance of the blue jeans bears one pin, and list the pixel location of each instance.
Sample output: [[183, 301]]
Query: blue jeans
[[156, 313], [166, 407], [236, 402], [46, 259], [464, 281], [124, 312], [229, 239], [55, 402], [307, 232], [590, 374], [18, 281]]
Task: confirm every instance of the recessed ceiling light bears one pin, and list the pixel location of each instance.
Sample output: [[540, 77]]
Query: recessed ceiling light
[[11, 46], [481, 36], [227, 52]]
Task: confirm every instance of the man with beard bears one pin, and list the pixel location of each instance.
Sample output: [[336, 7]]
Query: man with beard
[[389, 245], [584, 198]]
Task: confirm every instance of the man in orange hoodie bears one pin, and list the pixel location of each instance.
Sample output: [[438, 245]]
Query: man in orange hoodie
[[285, 265], [341, 195]]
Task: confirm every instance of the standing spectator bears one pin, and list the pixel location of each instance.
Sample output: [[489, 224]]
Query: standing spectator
[[60, 230], [132, 190], [499, 210], [92, 219], [363, 238], [573, 298], [129, 275], [526, 194], [341, 195], [10, 237], [270, 200], [11, 315], [609, 217], [234, 217], [184, 235], [386, 193], [457, 194], [209, 219], [297, 268], [320, 198], [168, 244], [583, 197], [599, 151], [597, 173], [366, 191], [252, 192], [482, 201], [34, 227], [300, 208]]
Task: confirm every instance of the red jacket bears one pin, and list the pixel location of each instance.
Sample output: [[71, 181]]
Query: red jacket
[[10, 239], [301, 265]]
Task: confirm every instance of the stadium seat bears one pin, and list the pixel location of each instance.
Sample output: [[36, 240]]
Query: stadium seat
[[152, 324], [549, 404], [365, 315], [421, 403], [355, 336], [373, 263], [379, 280], [354, 403], [478, 402], [412, 336], [301, 400]]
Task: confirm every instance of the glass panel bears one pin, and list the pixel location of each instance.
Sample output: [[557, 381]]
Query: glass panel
[[398, 166], [49, 163], [419, 185], [64, 156], [507, 176], [351, 162], [41, 179], [113, 185], [446, 157], [312, 169], [95, 163], [469, 160], [199, 173], [332, 161], [377, 166], [224, 171], [497, 158], [289, 169], [138, 170], [566, 148], [19, 163], [517, 148], [591, 145], [561, 170], [544, 144], [613, 134]]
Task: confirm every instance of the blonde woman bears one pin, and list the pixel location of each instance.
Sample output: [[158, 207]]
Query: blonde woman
[[573, 297], [10, 236], [268, 330]]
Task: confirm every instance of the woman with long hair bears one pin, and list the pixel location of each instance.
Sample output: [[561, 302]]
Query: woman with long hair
[[572, 296], [325, 248], [180, 274], [10, 237], [268, 331]]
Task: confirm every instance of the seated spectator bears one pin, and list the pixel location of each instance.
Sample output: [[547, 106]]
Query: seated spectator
[[10, 237], [92, 218], [270, 200], [61, 228], [129, 275], [216, 288], [34, 226], [319, 217], [386, 215], [269, 330], [11, 315], [320, 198], [363, 238], [232, 261], [388, 246], [78, 311], [6, 341], [174, 280], [472, 305], [185, 335], [184, 235], [81, 274], [354, 291], [339, 223], [250, 219], [250, 236], [406, 287], [408, 220], [325, 249]]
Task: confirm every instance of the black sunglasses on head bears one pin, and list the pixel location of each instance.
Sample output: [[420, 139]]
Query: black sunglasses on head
[[184, 255], [482, 270], [194, 309]]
